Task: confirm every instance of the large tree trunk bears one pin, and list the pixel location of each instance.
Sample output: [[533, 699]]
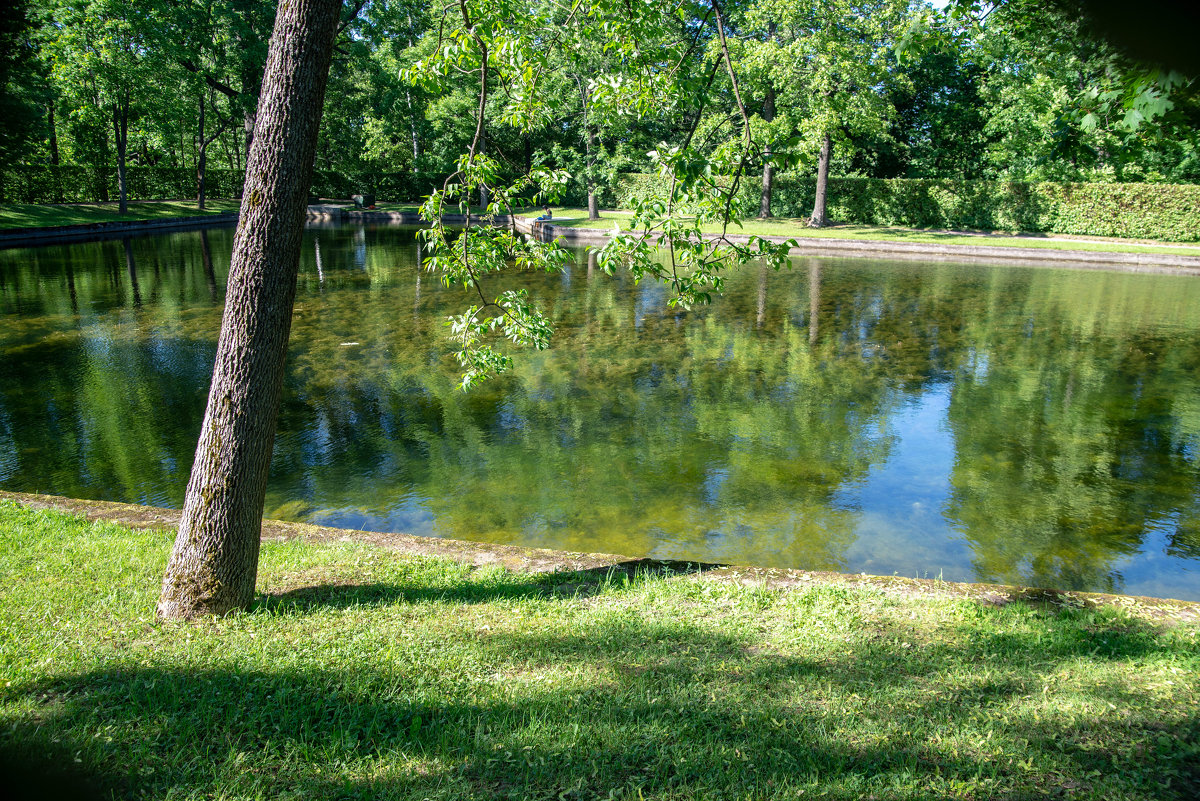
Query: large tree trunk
[[819, 219], [215, 561]]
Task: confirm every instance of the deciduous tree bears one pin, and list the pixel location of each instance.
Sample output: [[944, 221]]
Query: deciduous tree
[[215, 560]]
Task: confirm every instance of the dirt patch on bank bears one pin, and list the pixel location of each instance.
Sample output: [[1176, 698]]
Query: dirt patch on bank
[[541, 560]]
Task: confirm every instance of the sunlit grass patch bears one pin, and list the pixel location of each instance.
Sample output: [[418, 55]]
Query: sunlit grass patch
[[24, 215], [362, 673]]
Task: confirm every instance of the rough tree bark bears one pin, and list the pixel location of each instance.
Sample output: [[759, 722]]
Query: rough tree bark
[[819, 219], [215, 560]]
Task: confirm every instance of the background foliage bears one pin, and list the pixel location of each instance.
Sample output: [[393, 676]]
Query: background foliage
[[1016, 92], [1149, 211]]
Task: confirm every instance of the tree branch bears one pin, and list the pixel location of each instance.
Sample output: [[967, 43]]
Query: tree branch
[[223, 88]]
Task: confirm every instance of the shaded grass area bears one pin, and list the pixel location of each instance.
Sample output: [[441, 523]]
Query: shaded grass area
[[363, 674], [789, 227], [35, 216]]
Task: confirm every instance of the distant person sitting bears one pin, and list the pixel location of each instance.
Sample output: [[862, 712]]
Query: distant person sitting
[[545, 216]]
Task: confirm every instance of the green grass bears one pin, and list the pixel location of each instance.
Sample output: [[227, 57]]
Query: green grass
[[411, 208], [360, 673], [34, 216], [577, 218]]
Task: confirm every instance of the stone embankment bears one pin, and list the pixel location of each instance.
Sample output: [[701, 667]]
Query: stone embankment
[[921, 251], [1147, 262], [542, 560]]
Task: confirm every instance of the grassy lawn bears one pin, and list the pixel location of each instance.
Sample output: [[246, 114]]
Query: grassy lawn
[[34, 216], [577, 218], [411, 208], [364, 674]]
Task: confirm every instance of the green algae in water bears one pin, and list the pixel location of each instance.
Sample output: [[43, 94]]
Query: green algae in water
[[1008, 424]]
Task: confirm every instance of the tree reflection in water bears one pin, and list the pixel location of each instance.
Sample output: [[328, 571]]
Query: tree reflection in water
[[780, 427]]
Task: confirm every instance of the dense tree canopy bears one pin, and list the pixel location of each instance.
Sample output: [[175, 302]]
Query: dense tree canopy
[[1017, 89]]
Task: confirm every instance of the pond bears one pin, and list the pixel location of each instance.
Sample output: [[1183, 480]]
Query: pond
[[1019, 425]]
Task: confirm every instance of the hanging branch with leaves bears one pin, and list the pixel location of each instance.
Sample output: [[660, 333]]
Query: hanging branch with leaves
[[510, 49]]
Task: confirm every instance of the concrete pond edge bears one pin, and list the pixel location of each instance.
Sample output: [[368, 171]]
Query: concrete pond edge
[[1162, 263], [1165, 263], [518, 559]]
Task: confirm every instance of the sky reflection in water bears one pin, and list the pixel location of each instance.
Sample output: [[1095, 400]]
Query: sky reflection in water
[[974, 423]]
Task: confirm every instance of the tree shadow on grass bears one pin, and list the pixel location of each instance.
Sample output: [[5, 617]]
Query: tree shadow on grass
[[562, 584], [628, 704]]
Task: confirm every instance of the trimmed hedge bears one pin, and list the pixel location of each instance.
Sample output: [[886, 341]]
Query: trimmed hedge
[[1168, 212], [73, 184]]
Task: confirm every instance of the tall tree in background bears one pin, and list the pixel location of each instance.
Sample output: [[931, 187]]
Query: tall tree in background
[[214, 564], [21, 91], [205, 135], [395, 128], [840, 52], [201, 37], [100, 58], [822, 67]]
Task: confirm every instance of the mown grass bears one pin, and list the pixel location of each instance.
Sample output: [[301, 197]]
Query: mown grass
[[360, 673], [788, 227], [411, 208], [18, 215]]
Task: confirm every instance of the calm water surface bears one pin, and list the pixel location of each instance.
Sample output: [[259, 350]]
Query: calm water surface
[[975, 423]]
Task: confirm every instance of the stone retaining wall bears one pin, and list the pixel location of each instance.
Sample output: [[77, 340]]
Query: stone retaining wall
[[921, 251]]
